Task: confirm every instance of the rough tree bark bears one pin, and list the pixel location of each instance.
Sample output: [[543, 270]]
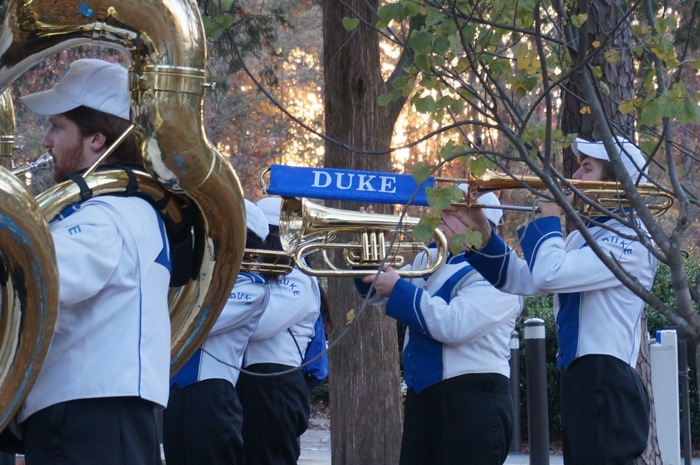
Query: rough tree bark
[[365, 396]]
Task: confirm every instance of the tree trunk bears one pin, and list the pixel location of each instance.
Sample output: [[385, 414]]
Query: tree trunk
[[617, 76], [365, 396]]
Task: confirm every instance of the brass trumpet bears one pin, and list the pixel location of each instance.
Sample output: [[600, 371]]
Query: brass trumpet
[[608, 194], [307, 228]]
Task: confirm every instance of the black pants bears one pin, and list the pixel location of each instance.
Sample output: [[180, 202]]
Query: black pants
[[105, 431], [202, 425], [605, 412], [466, 420], [276, 413]]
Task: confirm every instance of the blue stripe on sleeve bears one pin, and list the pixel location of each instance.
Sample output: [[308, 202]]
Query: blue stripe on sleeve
[[535, 233], [491, 261]]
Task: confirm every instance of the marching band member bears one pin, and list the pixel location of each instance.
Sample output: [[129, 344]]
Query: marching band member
[[605, 409], [455, 356], [203, 421], [272, 388], [108, 364]]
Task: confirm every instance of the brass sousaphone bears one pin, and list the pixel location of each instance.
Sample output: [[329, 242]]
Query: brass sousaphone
[[166, 44], [28, 278]]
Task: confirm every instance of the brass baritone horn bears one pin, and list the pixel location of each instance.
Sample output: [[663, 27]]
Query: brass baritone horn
[[267, 262], [307, 228]]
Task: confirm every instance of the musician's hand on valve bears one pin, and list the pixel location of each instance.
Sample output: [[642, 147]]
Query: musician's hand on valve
[[385, 281]]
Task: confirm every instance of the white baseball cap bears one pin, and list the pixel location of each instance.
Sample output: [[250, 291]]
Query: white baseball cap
[[270, 206], [255, 220], [89, 82], [631, 156], [494, 215]]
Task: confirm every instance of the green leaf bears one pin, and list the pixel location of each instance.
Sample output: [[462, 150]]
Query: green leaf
[[429, 82], [626, 106], [500, 67], [457, 106], [421, 41], [433, 16], [472, 238], [422, 63], [468, 33], [400, 82], [451, 150], [350, 24], [690, 113], [425, 228], [387, 98], [424, 104], [611, 55], [529, 82], [441, 198], [391, 11], [441, 44], [477, 166], [578, 20], [224, 20], [421, 172], [651, 114], [212, 29], [410, 9]]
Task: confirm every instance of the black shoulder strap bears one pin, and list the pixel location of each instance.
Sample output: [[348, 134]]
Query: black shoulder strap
[[85, 192], [184, 237]]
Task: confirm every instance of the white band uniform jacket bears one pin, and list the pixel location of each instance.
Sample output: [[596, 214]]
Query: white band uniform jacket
[[221, 354], [595, 313], [294, 304], [112, 334], [458, 323]]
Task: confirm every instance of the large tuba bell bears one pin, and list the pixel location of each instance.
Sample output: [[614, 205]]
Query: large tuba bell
[[166, 43], [307, 228], [28, 279]]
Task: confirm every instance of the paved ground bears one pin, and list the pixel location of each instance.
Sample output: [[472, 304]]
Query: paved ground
[[316, 448]]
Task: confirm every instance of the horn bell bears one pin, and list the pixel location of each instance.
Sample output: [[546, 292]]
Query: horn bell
[[28, 279]]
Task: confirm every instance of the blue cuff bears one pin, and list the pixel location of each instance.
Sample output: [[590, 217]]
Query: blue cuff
[[362, 287], [404, 305]]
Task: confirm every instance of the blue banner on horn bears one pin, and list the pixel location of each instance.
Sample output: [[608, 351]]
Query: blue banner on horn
[[353, 185]]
